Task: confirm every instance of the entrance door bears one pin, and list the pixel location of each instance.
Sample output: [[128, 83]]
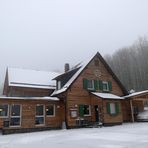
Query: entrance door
[[97, 113]]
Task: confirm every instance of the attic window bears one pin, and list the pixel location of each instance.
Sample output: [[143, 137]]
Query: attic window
[[58, 85]]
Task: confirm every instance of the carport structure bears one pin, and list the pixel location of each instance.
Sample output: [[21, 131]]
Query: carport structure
[[138, 103]]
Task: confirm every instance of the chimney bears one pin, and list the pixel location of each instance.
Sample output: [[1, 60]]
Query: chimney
[[67, 67]]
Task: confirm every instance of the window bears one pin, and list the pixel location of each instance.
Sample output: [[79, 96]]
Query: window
[[90, 84], [59, 85], [3, 110], [95, 85], [87, 110], [84, 110], [15, 115], [105, 86], [113, 108], [50, 110], [39, 119]]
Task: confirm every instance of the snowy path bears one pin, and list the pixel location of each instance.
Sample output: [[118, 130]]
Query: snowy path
[[124, 136]]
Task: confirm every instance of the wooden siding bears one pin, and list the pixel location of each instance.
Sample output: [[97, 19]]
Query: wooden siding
[[28, 92], [110, 119], [29, 111], [74, 102], [126, 110], [77, 95], [89, 73]]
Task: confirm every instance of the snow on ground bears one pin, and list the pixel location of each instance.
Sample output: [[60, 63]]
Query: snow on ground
[[124, 136]]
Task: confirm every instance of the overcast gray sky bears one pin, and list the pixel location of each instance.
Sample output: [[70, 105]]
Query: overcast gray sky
[[44, 34]]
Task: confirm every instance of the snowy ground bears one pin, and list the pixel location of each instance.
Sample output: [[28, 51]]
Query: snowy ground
[[123, 136]]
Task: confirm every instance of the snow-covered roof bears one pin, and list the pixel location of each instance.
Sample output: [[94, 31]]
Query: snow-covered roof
[[136, 94], [31, 78], [82, 65], [107, 95], [31, 98]]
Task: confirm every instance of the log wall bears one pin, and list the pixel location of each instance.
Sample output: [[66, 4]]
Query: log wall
[[77, 95], [28, 112]]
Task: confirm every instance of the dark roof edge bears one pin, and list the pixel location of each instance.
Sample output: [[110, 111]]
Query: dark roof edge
[[108, 68], [65, 73], [78, 74]]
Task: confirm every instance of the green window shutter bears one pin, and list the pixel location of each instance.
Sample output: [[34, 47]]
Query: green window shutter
[[100, 85], [117, 108], [110, 85], [108, 108], [81, 110], [85, 83], [96, 84]]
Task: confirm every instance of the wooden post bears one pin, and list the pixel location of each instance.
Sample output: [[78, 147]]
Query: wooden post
[[131, 104]]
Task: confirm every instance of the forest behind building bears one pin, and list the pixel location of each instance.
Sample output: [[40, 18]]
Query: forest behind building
[[130, 64]]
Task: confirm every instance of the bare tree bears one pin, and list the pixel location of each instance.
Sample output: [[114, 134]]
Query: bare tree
[[131, 65]]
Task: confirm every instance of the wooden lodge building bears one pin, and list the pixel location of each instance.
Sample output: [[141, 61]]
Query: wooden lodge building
[[89, 94], [26, 104]]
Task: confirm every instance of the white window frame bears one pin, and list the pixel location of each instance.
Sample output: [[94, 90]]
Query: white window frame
[[58, 85], [53, 110], [112, 108], [89, 111], [105, 83], [7, 111], [16, 116], [40, 115], [90, 88]]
